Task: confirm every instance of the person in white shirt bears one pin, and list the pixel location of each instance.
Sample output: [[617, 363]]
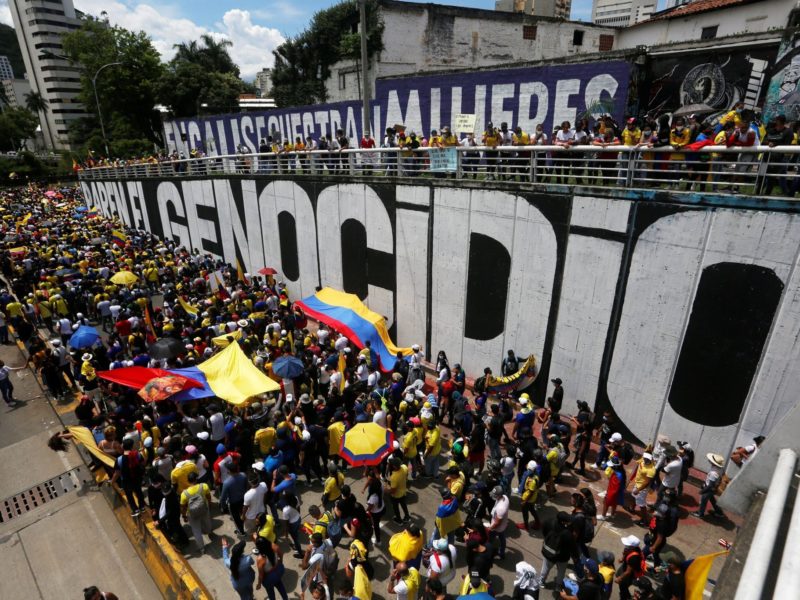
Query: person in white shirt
[[362, 371], [672, 472], [499, 520], [442, 562], [373, 378], [65, 329], [217, 423], [253, 503], [565, 137], [291, 515], [322, 336]]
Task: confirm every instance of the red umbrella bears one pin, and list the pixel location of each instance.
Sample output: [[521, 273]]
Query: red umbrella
[[161, 388], [267, 271]]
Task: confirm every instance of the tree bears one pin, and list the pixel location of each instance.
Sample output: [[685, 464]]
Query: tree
[[37, 104], [126, 92], [16, 125], [303, 63], [202, 77]]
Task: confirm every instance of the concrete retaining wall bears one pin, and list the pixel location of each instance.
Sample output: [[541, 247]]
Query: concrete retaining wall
[[679, 315]]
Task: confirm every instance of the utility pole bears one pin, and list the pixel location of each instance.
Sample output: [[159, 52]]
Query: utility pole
[[362, 6]]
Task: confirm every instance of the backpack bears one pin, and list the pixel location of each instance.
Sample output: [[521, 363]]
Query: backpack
[[640, 568], [197, 505], [561, 458], [551, 548], [626, 453], [335, 531], [480, 384], [131, 465], [672, 522]]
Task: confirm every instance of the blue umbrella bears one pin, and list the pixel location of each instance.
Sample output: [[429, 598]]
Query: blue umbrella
[[478, 596], [288, 367], [84, 337]]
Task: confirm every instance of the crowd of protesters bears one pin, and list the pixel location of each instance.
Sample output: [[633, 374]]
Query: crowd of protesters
[[273, 465], [668, 153]]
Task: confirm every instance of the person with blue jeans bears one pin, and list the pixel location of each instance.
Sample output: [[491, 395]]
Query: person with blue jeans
[[241, 568], [6, 387], [291, 515]]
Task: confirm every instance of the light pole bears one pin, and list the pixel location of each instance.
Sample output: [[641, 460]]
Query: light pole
[[362, 7], [48, 54], [97, 101]]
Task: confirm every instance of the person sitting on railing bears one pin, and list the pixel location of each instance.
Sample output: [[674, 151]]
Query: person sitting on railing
[[778, 134], [743, 136]]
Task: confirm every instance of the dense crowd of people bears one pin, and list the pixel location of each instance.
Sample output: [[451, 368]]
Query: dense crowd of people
[[668, 153], [495, 461]]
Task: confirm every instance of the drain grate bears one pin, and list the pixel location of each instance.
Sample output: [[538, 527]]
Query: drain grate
[[42, 493]]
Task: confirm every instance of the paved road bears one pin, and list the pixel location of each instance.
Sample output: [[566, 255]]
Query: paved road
[[67, 543]]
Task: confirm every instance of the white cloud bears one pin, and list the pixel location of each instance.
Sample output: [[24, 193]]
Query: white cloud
[[5, 13], [252, 43]]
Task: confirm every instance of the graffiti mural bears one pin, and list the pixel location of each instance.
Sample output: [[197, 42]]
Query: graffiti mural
[[783, 93], [618, 297], [712, 81]]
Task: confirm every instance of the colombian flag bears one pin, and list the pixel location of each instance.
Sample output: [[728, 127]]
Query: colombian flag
[[93, 212], [240, 273], [696, 575], [347, 314], [187, 307], [118, 238]]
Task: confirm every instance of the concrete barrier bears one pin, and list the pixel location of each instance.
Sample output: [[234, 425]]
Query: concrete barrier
[[169, 569]]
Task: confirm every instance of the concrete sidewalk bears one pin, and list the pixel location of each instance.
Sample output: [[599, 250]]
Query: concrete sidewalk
[[66, 542]]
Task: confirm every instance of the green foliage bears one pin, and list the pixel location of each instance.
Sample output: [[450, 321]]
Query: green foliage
[[303, 63], [201, 73], [28, 167], [126, 92], [10, 47], [16, 125]]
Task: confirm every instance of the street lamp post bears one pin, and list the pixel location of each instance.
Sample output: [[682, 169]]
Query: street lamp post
[[97, 102], [362, 7]]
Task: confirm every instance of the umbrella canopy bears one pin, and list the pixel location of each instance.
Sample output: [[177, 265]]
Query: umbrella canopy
[[124, 278], [691, 109], [267, 271], [65, 272], [366, 444], [161, 388], [96, 241], [288, 367], [166, 348], [84, 337], [478, 596], [50, 194]]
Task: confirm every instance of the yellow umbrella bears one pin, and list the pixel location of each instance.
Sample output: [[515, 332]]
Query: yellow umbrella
[[366, 444], [124, 278]]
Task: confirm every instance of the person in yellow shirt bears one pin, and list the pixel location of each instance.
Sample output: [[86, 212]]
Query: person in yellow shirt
[[448, 138], [645, 472], [607, 572], [195, 508], [491, 138], [717, 158], [180, 475], [321, 520], [679, 137], [530, 493], [333, 488], [264, 439], [335, 433], [455, 481], [398, 483], [433, 449], [435, 141]]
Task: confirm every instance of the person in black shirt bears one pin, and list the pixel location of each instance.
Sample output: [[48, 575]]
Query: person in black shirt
[[558, 396], [479, 558], [674, 586], [589, 586]]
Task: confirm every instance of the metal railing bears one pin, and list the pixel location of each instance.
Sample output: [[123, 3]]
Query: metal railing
[[756, 170]]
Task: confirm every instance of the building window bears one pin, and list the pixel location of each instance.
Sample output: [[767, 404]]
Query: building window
[[577, 38], [709, 33], [342, 81], [606, 42], [529, 32]]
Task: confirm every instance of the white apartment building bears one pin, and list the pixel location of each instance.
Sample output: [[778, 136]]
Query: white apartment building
[[39, 25], [16, 90], [263, 83], [6, 71], [621, 13], [559, 9]]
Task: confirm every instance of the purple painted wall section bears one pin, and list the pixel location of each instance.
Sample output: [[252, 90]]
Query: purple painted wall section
[[523, 96]]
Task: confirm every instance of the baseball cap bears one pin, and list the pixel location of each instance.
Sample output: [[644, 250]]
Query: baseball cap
[[631, 541], [615, 437]]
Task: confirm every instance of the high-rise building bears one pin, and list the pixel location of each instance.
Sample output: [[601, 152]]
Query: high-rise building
[[16, 90], [6, 71], [263, 83], [621, 13], [39, 25], [537, 8]]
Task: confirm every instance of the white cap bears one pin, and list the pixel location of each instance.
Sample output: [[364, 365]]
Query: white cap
[[306, 435], [631, 541], [647, 456], [615, 437], [415, 347], [258, 466], [531, 465], [289, 398]]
